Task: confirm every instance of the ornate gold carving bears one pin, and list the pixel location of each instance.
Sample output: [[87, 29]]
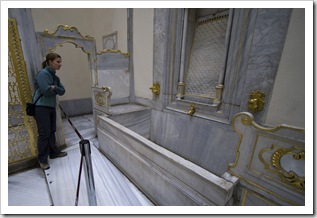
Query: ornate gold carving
[[156, 88], [66, 28], [100, 96], [113, 51], [192, 109], [100, 99], [22, 128], [299, 156], [68, 41], [288, 177], [245, 118], [247, 121], [256, 101]]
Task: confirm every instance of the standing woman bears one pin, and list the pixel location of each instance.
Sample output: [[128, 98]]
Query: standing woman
[[47, 86]]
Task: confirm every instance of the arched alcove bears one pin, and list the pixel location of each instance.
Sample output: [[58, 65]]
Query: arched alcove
[[68, 36]]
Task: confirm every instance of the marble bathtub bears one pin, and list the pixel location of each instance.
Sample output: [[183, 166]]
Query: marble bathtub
[[164, 177]]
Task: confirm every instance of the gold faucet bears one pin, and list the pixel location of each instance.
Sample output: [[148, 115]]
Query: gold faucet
[[192, 109], [155, 88]]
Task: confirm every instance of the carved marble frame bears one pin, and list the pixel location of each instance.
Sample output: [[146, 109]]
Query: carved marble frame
[[252, 60], [68, 34]]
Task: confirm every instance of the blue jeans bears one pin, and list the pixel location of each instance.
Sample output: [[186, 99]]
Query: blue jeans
[[46, 124]]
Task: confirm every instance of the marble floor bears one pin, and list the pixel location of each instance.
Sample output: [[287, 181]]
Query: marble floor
[[57, 186]]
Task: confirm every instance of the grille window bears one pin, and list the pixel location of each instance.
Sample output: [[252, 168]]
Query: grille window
[[206, 59]]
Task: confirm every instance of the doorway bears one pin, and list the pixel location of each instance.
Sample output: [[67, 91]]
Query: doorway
[[76, 80]]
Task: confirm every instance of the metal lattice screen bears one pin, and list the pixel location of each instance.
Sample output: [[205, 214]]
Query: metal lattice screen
[[206, 58], [21, 128]]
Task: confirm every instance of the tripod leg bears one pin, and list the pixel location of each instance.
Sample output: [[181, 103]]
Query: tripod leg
[[78, 183]]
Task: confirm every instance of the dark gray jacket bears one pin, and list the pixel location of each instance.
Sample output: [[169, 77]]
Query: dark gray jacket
[[43, 81]]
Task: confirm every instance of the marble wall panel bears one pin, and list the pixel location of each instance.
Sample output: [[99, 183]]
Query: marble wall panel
[[268, 38], [161, 34], [208, 144], [76, 107], [117, 80], [113, 61], [138, 122]]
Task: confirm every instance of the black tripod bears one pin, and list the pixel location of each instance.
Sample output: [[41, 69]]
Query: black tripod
[[85, 151]]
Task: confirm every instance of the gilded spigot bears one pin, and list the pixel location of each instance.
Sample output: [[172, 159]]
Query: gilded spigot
[[155, 88], [192, 109]]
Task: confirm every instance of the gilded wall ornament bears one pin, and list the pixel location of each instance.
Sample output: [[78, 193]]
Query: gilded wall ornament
[[156, 88], [256, 101], [290, 177]]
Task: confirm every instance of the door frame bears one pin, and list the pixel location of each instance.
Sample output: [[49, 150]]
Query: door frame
[[65, 34]]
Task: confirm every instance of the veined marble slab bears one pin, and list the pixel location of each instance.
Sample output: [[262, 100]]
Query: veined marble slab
[[28, 188]]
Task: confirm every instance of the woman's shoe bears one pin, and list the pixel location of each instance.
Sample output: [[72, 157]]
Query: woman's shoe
[[44, 166], [60, 154]]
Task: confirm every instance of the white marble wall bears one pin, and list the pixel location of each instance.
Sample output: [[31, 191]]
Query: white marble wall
[[207, 139], [208, 144], [117, 80]]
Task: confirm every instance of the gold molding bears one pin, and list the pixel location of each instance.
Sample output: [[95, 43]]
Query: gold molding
[[66, 28], [248, 119], [126, 54], [68, 41]]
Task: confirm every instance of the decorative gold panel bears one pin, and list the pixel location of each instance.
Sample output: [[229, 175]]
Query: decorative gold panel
[[270, 160], [22, 135], [275, 165], [102, 99]]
